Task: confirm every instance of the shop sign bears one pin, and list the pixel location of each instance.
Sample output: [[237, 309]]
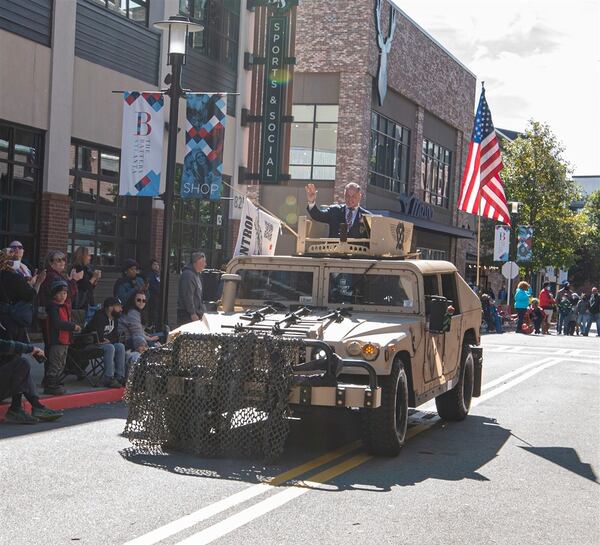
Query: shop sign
[[273, 107], [415, 207]]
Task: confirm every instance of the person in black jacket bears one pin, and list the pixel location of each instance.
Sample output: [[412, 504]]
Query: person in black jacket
[[15, 381], [350, 213], [153, 278], [594, 313], [104, 324]]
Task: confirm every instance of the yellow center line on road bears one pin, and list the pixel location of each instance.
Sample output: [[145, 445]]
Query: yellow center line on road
[[176, 526], [228, 525]]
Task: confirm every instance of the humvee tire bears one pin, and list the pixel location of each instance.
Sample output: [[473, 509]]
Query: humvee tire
[[384, 428], [455, 404]]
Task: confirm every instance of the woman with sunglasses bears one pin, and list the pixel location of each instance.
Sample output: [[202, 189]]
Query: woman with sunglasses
[[131, 326]]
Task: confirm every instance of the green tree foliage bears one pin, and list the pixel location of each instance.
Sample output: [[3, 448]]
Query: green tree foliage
[[536, 175], [588, 269]]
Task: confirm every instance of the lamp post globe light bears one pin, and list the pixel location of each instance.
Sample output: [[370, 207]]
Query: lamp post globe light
[[178, 30], [515, 207]]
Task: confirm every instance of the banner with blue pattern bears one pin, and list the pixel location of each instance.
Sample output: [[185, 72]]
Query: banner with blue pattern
[[204, 141]]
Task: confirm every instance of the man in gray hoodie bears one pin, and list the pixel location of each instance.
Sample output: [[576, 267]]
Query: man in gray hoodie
[[190, 306]]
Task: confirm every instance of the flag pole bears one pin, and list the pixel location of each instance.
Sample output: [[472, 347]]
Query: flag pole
[[478, 243], [479, 220]]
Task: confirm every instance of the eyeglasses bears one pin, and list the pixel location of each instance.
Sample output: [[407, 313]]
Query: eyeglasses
[[59, 259], [140, 300], [16, 247]]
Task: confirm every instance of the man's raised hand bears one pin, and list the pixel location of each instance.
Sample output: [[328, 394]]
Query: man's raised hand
[[311, 193]]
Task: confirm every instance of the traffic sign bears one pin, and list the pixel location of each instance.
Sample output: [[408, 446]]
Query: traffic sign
[[510, 269]]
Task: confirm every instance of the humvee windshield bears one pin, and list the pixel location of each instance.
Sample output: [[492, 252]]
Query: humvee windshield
[[387, 290], [275, 285]]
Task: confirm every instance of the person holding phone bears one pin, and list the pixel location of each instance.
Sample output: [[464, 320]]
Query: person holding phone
[[87, 284]]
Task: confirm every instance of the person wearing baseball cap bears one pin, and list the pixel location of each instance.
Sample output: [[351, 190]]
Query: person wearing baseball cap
[[104, 324], [131, 281], [59, 334]]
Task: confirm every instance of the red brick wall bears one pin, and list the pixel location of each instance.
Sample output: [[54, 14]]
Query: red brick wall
[[54, 218], [156, 234]]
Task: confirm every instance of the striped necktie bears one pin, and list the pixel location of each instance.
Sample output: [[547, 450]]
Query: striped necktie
[[349, 214]]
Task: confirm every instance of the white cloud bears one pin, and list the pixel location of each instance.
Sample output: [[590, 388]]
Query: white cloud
[[540, 59]]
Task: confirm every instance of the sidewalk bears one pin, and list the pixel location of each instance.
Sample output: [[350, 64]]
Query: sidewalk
[[79, 393]]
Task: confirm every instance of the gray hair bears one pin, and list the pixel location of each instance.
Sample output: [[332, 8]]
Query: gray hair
[[196, 256], [353, 185]]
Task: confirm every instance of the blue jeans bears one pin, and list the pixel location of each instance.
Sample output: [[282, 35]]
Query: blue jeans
[[593, 318], [562, 323], [520, 318], [114, 360]]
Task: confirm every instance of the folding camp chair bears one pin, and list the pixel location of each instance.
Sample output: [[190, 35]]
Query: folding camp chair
[[85, 359]]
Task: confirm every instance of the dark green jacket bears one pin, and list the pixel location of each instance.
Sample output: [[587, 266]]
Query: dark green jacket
[[13, 347]]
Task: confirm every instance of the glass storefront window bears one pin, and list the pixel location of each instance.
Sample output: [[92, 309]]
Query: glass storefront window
[[388, 163], [313, 150], [102, 218], [435, 176], [21, 161]]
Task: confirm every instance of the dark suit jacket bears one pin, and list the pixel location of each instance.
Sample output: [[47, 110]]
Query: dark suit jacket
[[336, 214]]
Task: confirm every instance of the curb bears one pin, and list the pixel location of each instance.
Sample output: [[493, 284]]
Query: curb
[[73, 401]]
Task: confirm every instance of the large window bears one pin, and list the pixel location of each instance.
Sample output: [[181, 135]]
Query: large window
[[387, 290], [101, 220], [436, 168], [429, 253], [388, 163], [21, 164], [314, 142], [136, 10], [221, 20], [276, 285], [198, 225]]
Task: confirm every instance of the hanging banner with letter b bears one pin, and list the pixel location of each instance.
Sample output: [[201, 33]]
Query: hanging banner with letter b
[[501, 242], [204, 140], [141, 144]]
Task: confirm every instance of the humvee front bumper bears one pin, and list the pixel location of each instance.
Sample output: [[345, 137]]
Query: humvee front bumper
[[316, 382]]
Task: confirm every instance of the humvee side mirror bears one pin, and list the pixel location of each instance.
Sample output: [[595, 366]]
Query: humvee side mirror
[[439, 310], [230, 286]]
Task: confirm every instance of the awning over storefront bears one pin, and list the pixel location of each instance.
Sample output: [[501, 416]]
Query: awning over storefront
[[427, 225]]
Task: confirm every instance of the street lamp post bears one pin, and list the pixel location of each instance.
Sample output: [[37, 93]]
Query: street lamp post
[[514, 216], [178, 28]]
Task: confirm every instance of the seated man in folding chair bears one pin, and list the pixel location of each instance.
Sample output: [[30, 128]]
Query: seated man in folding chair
[[104, 324]]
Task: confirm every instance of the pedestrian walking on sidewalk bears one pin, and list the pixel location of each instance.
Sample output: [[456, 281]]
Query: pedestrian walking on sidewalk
[[547, 303]]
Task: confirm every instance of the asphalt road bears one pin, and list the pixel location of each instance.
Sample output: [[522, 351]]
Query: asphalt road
[[521, 469]]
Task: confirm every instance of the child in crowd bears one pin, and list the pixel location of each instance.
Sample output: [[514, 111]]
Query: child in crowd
[[536, 315], [60, 329]]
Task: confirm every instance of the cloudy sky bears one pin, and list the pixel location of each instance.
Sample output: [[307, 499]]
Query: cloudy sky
[[539, 59]]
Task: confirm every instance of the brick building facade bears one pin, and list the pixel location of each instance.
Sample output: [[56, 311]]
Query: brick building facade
[[408, 153]]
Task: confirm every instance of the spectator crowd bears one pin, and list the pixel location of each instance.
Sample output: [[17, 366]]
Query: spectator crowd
[[60, 300], [572, 313]]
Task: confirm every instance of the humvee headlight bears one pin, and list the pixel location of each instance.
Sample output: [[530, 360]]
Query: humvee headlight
[[320, 355], [370, 351], [354, 348]]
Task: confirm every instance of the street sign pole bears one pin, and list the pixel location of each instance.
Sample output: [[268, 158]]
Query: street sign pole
[[509, 270]]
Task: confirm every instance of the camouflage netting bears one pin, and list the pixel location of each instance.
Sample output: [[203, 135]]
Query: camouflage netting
[[213, 395]]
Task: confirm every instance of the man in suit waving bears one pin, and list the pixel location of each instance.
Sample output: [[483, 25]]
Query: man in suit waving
[[350, 213]]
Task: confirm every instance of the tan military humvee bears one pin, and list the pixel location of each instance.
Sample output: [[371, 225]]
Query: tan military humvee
[[383, 333]]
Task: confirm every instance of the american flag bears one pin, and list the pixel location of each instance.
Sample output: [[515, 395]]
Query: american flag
[[482, 189]]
